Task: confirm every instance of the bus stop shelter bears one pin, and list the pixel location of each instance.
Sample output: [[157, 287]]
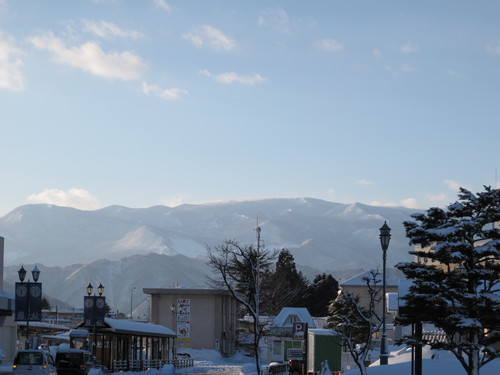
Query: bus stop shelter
[[124, 345]]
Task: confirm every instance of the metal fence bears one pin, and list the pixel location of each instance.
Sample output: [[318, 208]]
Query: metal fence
[[143, 365]]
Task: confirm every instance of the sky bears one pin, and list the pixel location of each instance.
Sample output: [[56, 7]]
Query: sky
[[165, 102]]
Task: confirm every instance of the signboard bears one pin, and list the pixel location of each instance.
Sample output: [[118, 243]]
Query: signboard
[[299, 330], [183, 321], [94, 311], [28, 305], [295, 354]]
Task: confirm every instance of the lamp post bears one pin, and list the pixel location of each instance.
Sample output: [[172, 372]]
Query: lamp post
[[94, 311], [385, 238], [28, 300], [131, 296]]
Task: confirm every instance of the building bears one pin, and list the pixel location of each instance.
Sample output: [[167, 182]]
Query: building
[[201, 318], [8, 327]]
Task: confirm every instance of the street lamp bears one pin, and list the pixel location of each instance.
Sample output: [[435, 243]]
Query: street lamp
[[385, 238], [28, 299], [131, 296], [94, 311]]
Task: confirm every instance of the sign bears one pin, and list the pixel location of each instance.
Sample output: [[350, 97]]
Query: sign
[[295, 354], [299, 329], [183, 321], [94, 311], [28, 305]]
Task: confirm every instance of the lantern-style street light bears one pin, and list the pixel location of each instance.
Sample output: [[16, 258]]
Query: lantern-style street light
[[385, 238], [94, 311], [28, 300]]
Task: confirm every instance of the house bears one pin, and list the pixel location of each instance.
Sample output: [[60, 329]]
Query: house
[[283, 336], [201, 318]]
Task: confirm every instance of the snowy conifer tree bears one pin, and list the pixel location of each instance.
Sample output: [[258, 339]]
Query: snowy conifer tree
[[457, 287]]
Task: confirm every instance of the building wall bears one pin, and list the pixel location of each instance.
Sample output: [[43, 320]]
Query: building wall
[[212, 317], [8, 327]]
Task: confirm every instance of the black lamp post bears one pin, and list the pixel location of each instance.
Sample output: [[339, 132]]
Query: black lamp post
[[28, 300], [94, 311], [385, 238]]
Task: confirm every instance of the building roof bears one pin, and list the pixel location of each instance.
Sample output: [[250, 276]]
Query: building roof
[[131, 327], [301, 312], [186, 291], [358, 279]]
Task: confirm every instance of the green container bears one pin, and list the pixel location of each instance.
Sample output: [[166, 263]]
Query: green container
[[323, 344]]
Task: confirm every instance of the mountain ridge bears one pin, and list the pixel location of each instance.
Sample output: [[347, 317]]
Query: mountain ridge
[[323, 236]]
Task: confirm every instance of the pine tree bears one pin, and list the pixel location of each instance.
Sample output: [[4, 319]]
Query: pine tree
[[320, 294], [458, 289], [284, 286]]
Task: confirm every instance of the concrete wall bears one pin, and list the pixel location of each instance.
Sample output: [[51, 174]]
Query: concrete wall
[[8, 327]]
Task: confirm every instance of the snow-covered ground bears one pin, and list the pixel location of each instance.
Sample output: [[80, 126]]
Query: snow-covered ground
[[443, 363], [210, 361]]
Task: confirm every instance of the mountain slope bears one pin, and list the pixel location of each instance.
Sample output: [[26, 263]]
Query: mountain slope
[[320, 234]]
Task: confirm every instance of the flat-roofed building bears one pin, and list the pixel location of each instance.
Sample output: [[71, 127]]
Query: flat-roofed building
[[201, 318]]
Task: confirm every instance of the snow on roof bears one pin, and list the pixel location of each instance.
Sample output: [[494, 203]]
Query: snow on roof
[[7, 295], [301, 312], [322, 332], [358, 279], [129, 326]]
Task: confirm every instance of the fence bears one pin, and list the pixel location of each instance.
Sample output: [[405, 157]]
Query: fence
[[143, 365]]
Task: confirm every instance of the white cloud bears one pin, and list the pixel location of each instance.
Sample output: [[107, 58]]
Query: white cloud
[[215, 38], [275, 18], [377, 54], [11, 77], [405, 68], [76, 198], [494, 50], [452, 185], [105, 29], [176, 201], [364, 182], [407, 202], [409, 48], [91, 58], [232, 77], [162, 4], [329, 45], [168, 94], [437, 197]]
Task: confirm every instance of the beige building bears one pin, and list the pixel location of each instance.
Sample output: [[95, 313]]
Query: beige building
[[357, 286], [202, 318]]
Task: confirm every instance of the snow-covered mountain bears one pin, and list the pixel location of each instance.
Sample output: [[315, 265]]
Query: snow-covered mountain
[[161, 246]]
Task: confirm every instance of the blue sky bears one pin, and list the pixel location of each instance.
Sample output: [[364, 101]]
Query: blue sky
[[140, 103]]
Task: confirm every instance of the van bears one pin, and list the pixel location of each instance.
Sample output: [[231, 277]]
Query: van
[[33, 362], [71, 361]]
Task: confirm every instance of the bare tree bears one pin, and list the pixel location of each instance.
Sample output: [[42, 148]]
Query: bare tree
[[240, 268], [357, 323]]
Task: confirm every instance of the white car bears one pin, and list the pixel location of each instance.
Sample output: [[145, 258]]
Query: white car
[[33, 362]]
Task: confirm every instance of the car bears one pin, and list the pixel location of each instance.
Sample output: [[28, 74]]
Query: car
[[33, 362], [70, 361]]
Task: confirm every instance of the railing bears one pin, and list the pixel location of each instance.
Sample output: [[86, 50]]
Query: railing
[[143, 365]]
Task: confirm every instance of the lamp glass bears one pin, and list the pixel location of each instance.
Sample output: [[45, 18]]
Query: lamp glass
[[100, 289], [22, 273], [90, 288], [385, 236], [35, 273]]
